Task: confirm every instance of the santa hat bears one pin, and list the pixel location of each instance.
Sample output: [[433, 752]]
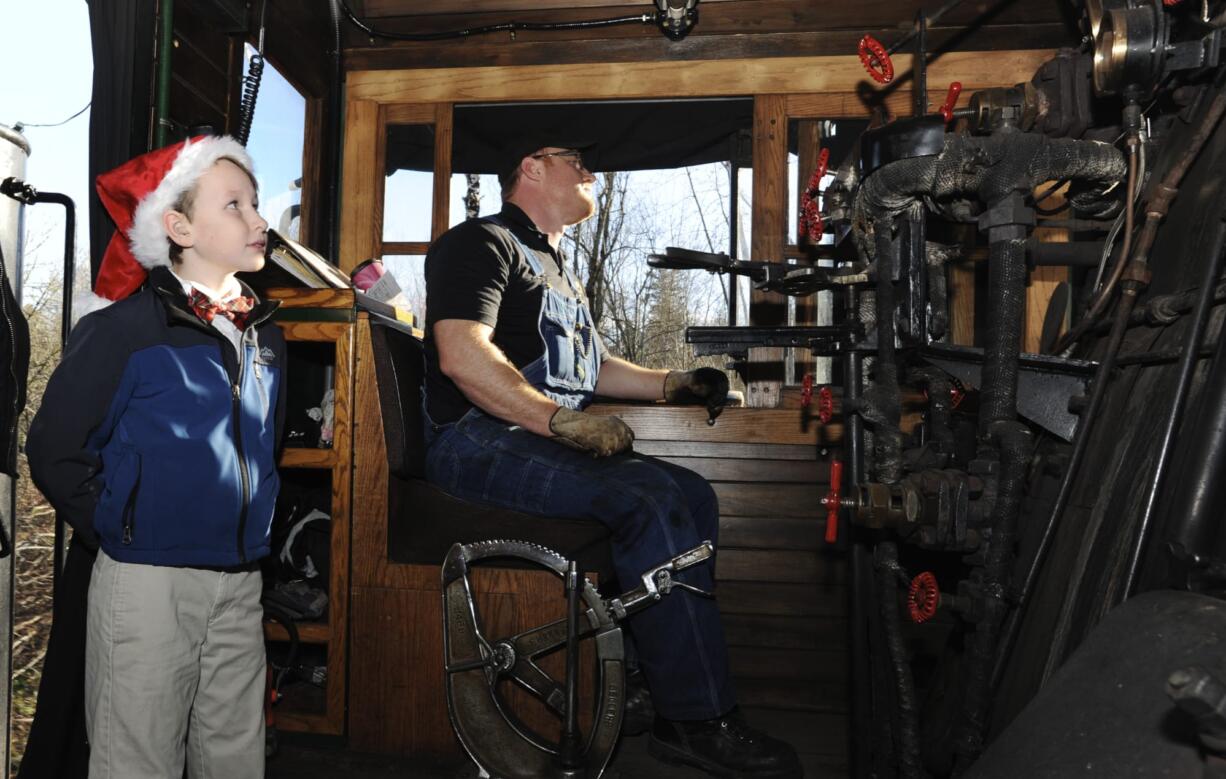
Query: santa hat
[[138, 193]]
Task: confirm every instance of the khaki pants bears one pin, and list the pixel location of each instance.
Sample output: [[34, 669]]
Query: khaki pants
[[174, 670]]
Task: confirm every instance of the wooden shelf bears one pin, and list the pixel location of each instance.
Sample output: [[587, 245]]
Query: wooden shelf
[[307, 457], [308, 632], [324, 317]]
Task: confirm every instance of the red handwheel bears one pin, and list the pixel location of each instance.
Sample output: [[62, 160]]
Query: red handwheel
[[923, 598], [876, 60]]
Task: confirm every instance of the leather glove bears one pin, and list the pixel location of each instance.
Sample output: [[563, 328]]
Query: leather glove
[[701, 386], [602, 436]]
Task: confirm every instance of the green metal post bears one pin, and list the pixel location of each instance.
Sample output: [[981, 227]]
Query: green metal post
[[166, 35]]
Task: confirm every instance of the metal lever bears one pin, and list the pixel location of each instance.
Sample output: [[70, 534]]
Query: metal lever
[[659, 581]]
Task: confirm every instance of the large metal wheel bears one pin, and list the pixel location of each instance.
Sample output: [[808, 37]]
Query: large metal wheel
[[478, 667]]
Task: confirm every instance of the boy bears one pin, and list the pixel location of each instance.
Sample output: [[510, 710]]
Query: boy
[[156, 439]]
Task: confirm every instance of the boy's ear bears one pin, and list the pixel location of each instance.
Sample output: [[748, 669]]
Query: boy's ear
[[178, 228]]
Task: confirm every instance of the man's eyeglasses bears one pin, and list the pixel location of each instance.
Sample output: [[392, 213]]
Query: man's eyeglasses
[[575, 158]]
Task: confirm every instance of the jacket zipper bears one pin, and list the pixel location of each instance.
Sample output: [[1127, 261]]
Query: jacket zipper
[[129, 512], [236, 395], [237, 405]]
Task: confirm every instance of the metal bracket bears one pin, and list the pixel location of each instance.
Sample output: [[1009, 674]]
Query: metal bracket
[[1045, 384]]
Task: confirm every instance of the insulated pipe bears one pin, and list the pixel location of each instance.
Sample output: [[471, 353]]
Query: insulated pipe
[[1014, 442], [1006, 310], [909, 764], [991, 168]]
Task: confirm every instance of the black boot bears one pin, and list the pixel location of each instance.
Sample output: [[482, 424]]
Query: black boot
[[724, 747], [639, 713]]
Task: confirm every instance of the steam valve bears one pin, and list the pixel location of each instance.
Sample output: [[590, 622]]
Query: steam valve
[[876, 61], [834, 501], [951, 99], [923, 598]]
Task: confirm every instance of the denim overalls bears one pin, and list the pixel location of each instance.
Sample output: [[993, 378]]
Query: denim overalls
[[653, 509]]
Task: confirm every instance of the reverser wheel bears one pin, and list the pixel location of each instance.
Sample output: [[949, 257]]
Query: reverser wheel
[[479, 666]]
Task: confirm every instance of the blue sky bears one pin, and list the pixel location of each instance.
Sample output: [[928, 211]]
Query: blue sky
[[52, 38]]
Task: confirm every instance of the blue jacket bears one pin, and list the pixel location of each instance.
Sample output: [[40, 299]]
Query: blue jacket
[[156, 439]]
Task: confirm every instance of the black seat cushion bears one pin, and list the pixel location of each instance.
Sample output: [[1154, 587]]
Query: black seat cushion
[[424, 521]]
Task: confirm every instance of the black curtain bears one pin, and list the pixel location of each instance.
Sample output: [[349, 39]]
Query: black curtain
[[122, 33]]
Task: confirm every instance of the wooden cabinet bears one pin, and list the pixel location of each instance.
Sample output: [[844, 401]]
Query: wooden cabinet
[[317, 320]]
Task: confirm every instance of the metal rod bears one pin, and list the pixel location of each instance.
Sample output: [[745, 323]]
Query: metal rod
[[933, 19], [166, 34], [60, 542], [733, 232], [1187, 367], [920, 67], [569, 751]]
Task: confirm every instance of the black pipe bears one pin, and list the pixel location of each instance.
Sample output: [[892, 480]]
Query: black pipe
[[60, 544], [1080, 442], [1006, 310], [1013, 440], [884, 401], [570, 750], [1193, 491], [860, 694], [733, 232], [888, 570], [643, 18]]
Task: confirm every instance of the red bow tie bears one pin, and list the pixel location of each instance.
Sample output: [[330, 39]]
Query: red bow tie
[[235, 309]]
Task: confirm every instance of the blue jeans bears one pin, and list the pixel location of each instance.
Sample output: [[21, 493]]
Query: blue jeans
[[654, 511]]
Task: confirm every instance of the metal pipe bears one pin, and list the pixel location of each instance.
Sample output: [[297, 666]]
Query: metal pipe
[[166, 34], [569, 747], [853, 444], [1187, 367], [1080, 443], [733, 232], [888, 570], [1014, 442]]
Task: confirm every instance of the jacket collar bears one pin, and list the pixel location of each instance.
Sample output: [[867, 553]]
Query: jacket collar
[[170, 290]]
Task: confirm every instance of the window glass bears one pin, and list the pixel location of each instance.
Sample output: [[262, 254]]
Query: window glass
[[275, 143]]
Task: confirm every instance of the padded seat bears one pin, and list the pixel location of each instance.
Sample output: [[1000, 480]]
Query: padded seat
[[424, 521]]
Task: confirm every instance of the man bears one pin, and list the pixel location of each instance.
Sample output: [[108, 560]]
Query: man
[[513, 358]]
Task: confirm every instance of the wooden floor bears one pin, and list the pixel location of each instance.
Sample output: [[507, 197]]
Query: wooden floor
[[302, 757]]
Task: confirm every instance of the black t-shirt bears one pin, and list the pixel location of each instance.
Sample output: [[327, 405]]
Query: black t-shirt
[[476, 271]]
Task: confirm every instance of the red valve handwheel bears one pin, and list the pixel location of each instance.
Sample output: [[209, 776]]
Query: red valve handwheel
[[806, 390], [951, 99], [834, 501], [811, 224], [923, 598], [825, 405], [876, 60]]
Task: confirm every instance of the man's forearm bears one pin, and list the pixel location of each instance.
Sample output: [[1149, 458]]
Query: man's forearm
[[488, 379], [627, 381]]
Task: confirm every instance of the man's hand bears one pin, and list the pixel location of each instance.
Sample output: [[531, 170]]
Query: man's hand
[[701, 386], [602, 436]]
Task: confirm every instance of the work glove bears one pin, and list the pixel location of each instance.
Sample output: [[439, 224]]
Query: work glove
[[602, 436], [701, 386]]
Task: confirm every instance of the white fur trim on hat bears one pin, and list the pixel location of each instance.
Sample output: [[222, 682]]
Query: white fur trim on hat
[[147, 236]]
